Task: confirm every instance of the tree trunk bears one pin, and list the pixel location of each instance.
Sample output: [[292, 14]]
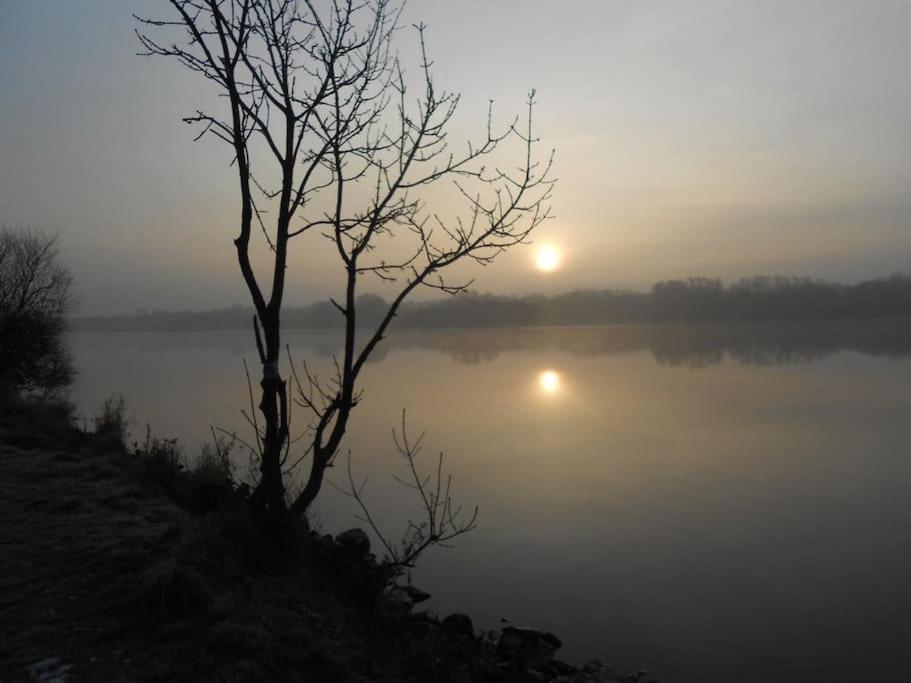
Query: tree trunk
[[268, 505], [311, 490], [322, 458]]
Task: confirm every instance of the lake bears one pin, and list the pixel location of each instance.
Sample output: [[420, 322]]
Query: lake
[[714, 503]]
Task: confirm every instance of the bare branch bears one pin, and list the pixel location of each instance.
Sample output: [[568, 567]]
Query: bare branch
[[441, 521], [331, 138]]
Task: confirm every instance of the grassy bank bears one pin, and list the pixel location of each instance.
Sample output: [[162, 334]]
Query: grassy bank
[[127, 565]]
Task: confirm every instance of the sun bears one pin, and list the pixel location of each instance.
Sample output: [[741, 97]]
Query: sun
[[549, 381], [547, 258]]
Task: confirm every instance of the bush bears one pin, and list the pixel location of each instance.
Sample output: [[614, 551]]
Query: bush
[[213, 466], [35, 296], [54, 411], [162, 463], [37, 422], [112, 422]]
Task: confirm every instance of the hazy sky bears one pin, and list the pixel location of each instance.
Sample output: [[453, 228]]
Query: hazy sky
[[712, 137]]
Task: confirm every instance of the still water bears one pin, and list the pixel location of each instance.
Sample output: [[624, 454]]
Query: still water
[[709, 503]]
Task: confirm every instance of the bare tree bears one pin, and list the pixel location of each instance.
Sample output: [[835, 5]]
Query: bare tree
[[35, 295], [329, 141]]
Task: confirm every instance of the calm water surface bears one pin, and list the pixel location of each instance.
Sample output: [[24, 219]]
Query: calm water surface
[[711, 504]]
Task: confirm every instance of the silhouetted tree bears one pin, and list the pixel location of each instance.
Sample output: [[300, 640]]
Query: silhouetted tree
[[35, 295], [326, 136]]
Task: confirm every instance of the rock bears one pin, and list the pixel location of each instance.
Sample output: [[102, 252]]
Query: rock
[[49, 670], [416, 594], [459, 624], [519, 635], [594, 671], [422, 624], [529, 647], [557, 668], [394, 602], [355, 540]]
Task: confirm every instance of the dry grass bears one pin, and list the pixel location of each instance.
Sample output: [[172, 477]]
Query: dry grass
[[102, 572]]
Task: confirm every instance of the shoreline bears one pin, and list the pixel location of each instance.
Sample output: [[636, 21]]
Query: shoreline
[[108, 577]]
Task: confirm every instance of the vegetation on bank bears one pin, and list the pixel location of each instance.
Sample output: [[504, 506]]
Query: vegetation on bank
[[125, 564], [756, 299], [35, 297]]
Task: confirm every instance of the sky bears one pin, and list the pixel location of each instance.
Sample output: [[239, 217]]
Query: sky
[[713, 137]]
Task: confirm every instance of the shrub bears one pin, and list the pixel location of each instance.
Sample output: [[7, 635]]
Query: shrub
[[162, 463], [213, 465], [35, 296], [112, 422]]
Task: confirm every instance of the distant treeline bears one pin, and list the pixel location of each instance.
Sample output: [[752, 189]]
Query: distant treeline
[[755, 299]]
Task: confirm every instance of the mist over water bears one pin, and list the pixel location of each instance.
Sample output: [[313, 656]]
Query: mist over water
[[640, 269], [712, 503]]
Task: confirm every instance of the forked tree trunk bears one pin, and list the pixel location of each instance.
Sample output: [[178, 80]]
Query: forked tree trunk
[[255, 52]]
